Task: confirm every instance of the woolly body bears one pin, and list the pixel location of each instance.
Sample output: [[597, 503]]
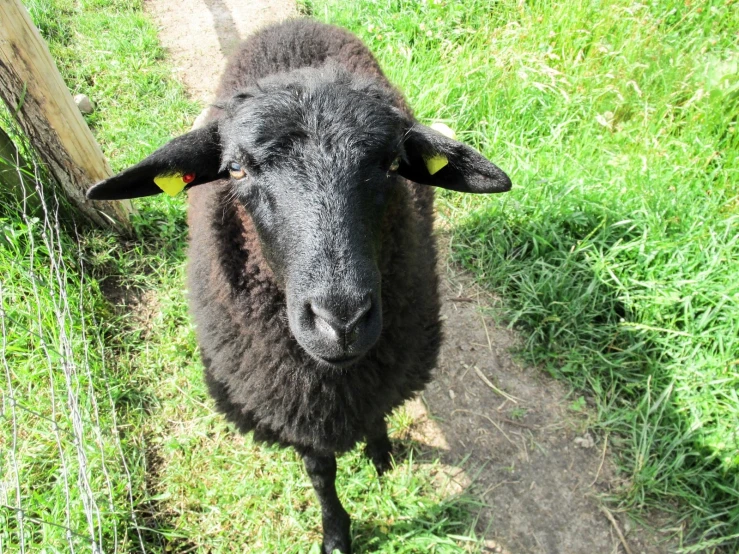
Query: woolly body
[[260, 377]]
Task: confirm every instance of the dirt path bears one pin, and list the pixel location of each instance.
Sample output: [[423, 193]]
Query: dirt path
[[536, 467], [199, 34], [506, 432]]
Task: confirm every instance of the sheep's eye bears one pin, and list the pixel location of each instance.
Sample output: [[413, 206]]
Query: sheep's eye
[[395, 164], [236, 171]]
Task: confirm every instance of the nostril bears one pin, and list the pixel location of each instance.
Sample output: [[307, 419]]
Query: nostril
[[348, 329], [360, 314], [323, 316], [352, 336], [352, 327]]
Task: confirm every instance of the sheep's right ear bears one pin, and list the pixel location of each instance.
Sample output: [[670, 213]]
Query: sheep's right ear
[[186, 161]]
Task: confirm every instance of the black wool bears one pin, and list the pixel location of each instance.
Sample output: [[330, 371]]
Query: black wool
[[260, 377]]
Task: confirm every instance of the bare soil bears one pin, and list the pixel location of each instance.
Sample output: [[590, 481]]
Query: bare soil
[[200, 34], [521, 438], [508, 434]]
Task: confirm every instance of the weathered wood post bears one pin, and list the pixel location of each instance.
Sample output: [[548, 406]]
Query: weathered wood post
[[34, 91]]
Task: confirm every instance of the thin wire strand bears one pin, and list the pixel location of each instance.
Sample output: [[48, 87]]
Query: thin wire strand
[[65, 322], [39, 320], [77, 419], [14, 443]]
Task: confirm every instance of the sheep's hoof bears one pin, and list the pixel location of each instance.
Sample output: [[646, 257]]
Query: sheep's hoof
[[336, 550], [337, 533], [341, 544], [381, 454]]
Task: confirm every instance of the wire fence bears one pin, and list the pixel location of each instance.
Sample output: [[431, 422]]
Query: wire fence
[[66, 481]]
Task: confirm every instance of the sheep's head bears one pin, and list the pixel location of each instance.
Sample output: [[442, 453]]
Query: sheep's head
[[315, 156]]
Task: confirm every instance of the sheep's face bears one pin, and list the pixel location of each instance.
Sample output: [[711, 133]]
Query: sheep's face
[[316, 166], [315, 156]]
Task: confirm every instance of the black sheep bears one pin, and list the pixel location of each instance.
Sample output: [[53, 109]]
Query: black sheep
[[312, 268]]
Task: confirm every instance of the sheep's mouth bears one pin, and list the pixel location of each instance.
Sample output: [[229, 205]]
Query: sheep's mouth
[[340, 362]]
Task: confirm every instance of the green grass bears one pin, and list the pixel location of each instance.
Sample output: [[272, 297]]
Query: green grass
[[58, 389], [617, 252], [84, 475], [165, 472]]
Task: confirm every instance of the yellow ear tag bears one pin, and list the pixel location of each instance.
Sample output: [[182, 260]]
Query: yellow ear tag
[[437, 162], [173, 184]]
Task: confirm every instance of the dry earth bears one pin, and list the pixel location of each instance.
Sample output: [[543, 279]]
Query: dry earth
[[199, 34], [504, 432], [521, 439]]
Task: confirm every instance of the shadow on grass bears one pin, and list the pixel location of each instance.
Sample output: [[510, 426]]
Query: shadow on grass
[[158, 530], [583, 289]]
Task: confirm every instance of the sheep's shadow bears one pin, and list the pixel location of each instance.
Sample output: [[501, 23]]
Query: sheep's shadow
[[455, 515]]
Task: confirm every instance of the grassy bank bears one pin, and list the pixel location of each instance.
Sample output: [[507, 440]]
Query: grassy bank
[[617, 252], [126, 452]]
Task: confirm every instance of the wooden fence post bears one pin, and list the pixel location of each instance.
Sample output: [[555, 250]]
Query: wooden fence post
[[34, 91]]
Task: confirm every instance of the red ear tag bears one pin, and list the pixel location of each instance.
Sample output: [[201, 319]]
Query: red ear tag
[[188, 178]]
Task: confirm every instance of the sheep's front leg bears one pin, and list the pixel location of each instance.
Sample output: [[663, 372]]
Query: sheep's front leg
[[379, 449], [322, 473]]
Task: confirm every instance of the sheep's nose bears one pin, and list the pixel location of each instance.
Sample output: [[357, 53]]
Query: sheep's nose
[[337, 329], [340, 325]]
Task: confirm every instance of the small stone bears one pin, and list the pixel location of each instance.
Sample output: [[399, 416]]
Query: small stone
[[84, 104], [451, 394], [586, 441]]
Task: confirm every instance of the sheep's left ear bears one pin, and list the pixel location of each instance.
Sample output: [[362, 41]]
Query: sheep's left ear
[[188, 160], [440, 161]]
